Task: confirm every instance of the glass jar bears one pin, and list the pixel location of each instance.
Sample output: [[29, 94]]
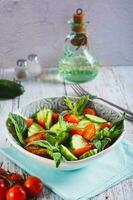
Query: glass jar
[[77, 63]]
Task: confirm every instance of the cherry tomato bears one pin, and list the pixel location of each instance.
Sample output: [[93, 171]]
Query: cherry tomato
[[3, 188], [106, 125], [33, 186], [71, 118], [29, 122], [76, 131], [80, 151], [41, 123], [89, 132], [16, 178], [16, 192], [55, 117], [89, 111]]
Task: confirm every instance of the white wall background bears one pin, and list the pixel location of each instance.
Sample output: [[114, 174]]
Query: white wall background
[[40, 26]]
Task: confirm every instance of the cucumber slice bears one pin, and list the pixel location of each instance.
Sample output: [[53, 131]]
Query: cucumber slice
[[88, 154], [46, 115], [83, 123], [34, 128], [48, 120], [95, 119], [55, 128], [77, 141], [67, 154]]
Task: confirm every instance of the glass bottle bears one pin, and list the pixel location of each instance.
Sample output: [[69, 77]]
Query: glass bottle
[[77, 64], [21, 71], [34, 66]]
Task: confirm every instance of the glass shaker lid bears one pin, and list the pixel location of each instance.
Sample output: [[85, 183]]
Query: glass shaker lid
[[32, 57], [22, 63]]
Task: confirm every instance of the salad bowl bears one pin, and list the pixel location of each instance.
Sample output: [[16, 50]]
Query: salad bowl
[[58, 104]]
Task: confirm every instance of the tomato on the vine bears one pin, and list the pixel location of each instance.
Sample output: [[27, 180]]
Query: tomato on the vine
[[16, 192], [34, 186], [16, 178]]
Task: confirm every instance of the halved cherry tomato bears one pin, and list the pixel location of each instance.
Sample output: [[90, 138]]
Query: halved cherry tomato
[[16, 193], [71, 118], [29, 121], [89, 111], [76, 131], [16, 178], [41, 123], [81, 151], [55, 117], [106, 125], [34, 186], [89, 132]]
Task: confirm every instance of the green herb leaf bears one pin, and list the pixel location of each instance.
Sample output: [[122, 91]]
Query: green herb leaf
[[78, 106], [19, 124]]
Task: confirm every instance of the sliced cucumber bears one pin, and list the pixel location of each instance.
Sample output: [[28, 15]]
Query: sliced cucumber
[[77, 141], [34, 128], [95, 119], [67, 154], [88, 154], [48, 121], [46, 115], [55, 128], [83, 123]]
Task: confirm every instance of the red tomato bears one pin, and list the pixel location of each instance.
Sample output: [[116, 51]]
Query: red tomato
[[16, 193], [71, 119], [106, 125], [89, 111], [41, 123], [89, 132], [55, 117], [76, 131], [29, 121], [34, 186], [16, 178], [80, 151], [3, 188]]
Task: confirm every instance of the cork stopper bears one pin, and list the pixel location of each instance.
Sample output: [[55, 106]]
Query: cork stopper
[[79, 20]]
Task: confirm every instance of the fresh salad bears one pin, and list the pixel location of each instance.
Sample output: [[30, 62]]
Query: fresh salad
[[71, 135]]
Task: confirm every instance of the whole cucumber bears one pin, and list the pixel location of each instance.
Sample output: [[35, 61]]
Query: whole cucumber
[[10, 89]]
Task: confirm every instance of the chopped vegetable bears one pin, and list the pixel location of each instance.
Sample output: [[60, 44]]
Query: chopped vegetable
[[81, 151], [88, 154], [95, 119], [77, 141], [89, 111], [89, 132], [106, 125], [76, 131], [55, 117], [66, 153], [29, 121], [34, 128], [71, 119]]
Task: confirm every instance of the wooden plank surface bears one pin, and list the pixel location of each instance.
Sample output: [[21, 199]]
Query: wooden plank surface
[[114, 84]]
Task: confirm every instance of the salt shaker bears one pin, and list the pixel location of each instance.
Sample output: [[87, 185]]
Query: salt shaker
[[34, 66], [21, 70]]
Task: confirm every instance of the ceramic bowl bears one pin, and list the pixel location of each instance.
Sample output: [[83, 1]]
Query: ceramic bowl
[[58, 104]]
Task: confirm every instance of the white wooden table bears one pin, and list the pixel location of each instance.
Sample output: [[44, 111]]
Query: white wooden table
[[112, 83]]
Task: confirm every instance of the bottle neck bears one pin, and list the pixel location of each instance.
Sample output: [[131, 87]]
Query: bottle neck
[[79, 39]]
